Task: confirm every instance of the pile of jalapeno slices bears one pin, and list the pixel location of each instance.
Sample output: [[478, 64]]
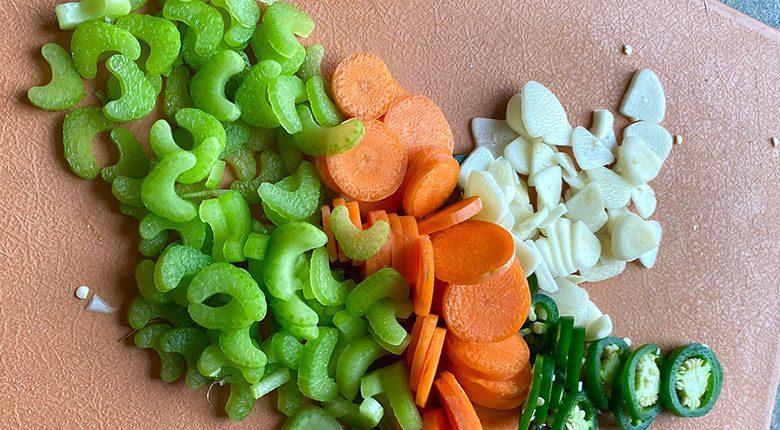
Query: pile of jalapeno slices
[[575, 381]]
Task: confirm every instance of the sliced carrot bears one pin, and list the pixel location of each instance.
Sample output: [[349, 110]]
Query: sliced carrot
[[420, 124], [496, 394], [325, 177], [493, 419], [421, 348], [430, 366], [354, 213], [472, 252], [451, 215], [490, 311], [460, 412], [436, 419], [372, 170], [415, 336], [409, 225], [389, 204], [438, 295], [398, 242], [496, 360], [429, 185], [363, 86], [331, 246], [423, 287], [385, 256]]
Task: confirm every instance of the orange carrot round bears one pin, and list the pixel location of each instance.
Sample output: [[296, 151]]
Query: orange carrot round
[[472, 252], [372, 170], [421, 348], [398, 242], [331, 246], [452, 215], [420, 125], [430, 365], [496, 394], [423, 287], [325, 177], [436, 419], [429, 184], [494, 419], [409, 224], [496, 360], [415, 336], [439, 287], [490, 311], [363, 87], [460, 412], [389, 204]]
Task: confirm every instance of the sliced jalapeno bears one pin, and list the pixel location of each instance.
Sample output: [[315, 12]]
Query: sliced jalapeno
[[691, 380], [562, 343], [574, 360], [603, 363], [539, 331], [544, 367], [624, 420], [640, 382], [576, 412], [545, 394]]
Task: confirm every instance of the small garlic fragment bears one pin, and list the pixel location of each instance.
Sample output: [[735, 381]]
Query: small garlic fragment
[[82, 292], [678, 139], [774, 142], [628, 49]]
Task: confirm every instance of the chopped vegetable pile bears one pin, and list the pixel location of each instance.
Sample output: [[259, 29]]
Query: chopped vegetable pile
[[305, 234]]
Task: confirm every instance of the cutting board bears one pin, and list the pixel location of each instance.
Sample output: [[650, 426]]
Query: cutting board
[[716, 280]]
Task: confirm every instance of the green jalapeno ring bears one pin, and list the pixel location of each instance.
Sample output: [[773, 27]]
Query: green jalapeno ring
[[641, 392], [603, 362], [684, 368]]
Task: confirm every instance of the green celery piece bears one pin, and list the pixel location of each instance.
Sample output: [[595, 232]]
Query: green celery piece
[[384, 283], [133, 162], [313, 378], [243, 164], [127, 190], [160, 35], [286, 245], [189, 342], [241, 349], [203, 20], [178, 262], [393, 349], [70, 15], [192, 232], [171, 365], [353, 362], [144, 280], [325, 112], [358, 244], [236, 134], [299, 331], [93, 39], [289, 151], [78, 130], [371, 384], [350, 326], [327, 291], [271, 381], [207, 87], [205, 129], [247, 303], [65, 89], [161, 139], [153, 246], [308, 417], [271, 170], [261, 139], [293, 311], [312, 63], [135, 4], [158, 192], [230, 221], [287, 349], [283, 93], [289, 397], [176, 95], [282, 22], [264, 51], [395, 381], [255, 246], [215, 176], [251, 95], [325, 313], [244, 15], [188, 54], [316, 141], [138, 94], [382, 319], [240, 402], [364, 416], [299, 203], [213, 363]]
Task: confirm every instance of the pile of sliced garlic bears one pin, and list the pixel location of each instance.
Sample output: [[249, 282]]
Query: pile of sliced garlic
[[578, 226]]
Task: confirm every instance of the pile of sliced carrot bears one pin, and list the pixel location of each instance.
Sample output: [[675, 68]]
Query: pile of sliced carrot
[[469, 292]]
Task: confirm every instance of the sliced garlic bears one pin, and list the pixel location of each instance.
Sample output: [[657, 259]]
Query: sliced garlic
[[493, 134], [645, 99], [507, 221], [598, 329], [592, 313], [603, 127], [542, 157], [655, 137], [543, 276], [553, 215], [631, 237], [589, 151], [612, 216], [644, 200], [479, 159], [494, 205], [563, 229], [543, 115], [548, 187], [648, 259], [526, 228], [518, 153], [586, 246], [570, 300], [637, 163], [527, 256], [503, 173], [587, 205], [603, 270], [614, 189], [514, 116], [576, 182], [559, 254], [548, 257]]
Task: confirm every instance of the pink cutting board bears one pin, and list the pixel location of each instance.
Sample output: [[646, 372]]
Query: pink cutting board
[[717, 276]]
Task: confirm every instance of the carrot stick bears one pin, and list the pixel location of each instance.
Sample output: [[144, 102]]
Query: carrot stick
[[490, 311], [372, 170], [493, 419], [398, 242], [496, 360], [389, 204], [415, 337], [436, 419], [472, 252], [496, 394], [460, 412], [451, 215], [420, 125], [430, 365], [429, 184], [385, 255], [409, 225], [423, 287], [363, 86], [421, 348]]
